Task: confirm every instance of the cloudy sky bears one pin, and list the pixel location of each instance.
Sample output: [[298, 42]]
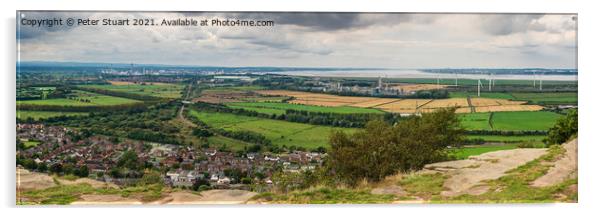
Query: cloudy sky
[[314, 40]]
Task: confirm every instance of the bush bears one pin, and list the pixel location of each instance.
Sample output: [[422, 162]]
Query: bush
[[565, 129], [381, 149]]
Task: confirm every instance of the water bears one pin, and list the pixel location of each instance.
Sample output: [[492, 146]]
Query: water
[[406, 73]]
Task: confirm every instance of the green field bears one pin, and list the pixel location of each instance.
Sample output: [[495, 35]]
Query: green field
[[507, 121], [465, 152], [500, 138], [524, 120], [94, 100], [36, 115], [31, 143], [279, 132], [157, 90], [475, 121], [280, 108], [548, 97], [496, 95]]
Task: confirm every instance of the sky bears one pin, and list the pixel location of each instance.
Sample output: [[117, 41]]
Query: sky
[[375, 40]]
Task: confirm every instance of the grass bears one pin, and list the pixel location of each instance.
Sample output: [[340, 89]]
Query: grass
[[507, 121], [325, 195], [527, 120], [95, 100], [65, 194], [423, 185], [500, 138], [279, 132], [164, 90], [515, 186], [496, 95], [465, 152], [475, 121], [548, 97], [280, 108], [31, 143], [37, 115]]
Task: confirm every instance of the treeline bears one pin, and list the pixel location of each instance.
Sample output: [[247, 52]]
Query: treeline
[[38, 107], [119, 94], [354, 120]]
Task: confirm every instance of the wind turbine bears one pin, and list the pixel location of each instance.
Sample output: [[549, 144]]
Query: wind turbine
[[490, 75], [456, 79], [479, 85], [540, 81]]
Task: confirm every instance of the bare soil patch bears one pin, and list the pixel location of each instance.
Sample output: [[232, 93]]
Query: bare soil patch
[[564, 168]]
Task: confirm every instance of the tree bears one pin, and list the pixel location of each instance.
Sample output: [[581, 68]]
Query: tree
[[129, 159], [565, 128], [381, 149], [56, 168]]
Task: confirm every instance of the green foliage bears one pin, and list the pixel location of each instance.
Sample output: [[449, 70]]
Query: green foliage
[[380, 149], [565, 129]]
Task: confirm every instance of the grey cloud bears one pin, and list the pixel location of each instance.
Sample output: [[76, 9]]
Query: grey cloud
[[318, 21], [495, 24], [29, 32]]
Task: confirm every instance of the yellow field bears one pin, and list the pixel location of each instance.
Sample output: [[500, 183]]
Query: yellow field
[[375, 102], [508, 108], [403, 105], [419, 87]]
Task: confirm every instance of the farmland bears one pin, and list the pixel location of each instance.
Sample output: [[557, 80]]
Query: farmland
[[497, 95], [465, 152], [509, 121], [403, 105], [279, 132], [36, 115], [499, 138], [542, 98], [81, 98], [548, 98], [524, 120], [163, 90], [280, 108]]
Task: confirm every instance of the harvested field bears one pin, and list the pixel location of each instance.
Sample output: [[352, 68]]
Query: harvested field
[[219, 96], [375, 102], [419, 87], [451, 102], [403, 105], [493, 102], [508, 108]]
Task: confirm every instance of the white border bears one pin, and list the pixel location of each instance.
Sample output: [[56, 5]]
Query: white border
[[589, 86]]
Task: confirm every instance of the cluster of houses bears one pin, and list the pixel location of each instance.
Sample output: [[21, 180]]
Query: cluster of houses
[[184, 164]]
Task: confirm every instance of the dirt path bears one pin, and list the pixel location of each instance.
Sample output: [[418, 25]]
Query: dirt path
[[181, 112], [563, 168], [466, 176]]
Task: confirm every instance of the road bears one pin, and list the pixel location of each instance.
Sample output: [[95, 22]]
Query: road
[[181, 112]]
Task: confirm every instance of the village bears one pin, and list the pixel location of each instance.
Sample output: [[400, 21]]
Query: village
[[61, 150]]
